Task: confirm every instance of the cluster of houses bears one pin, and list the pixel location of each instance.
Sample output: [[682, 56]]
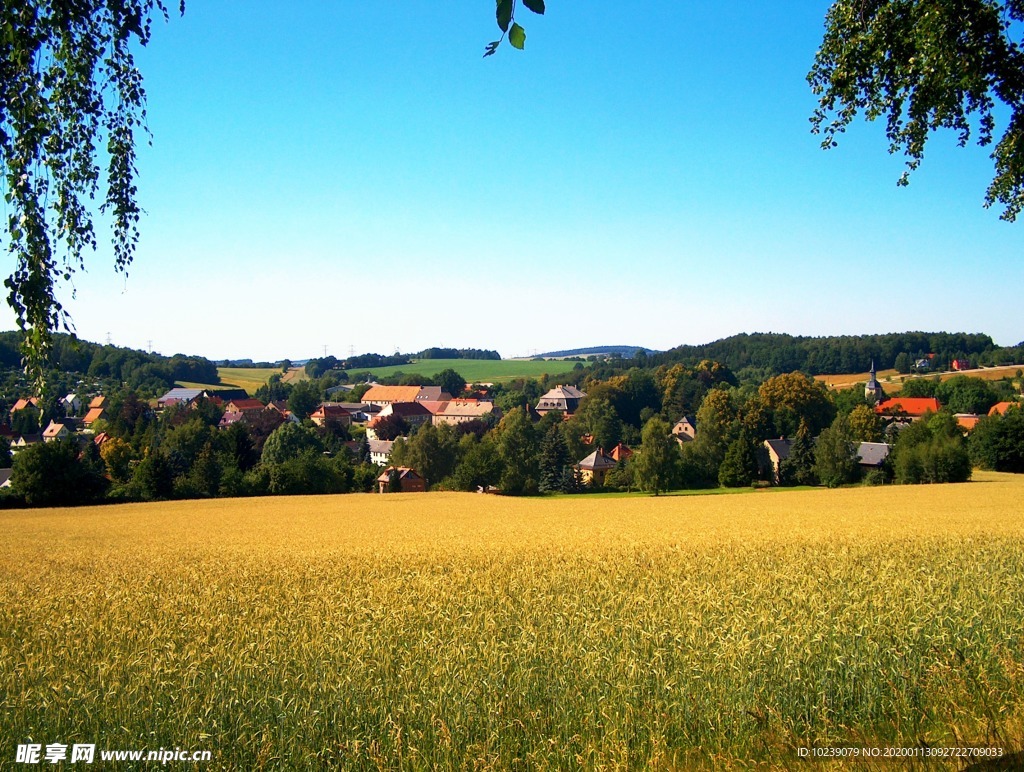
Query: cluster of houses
[[418, 405], [896, 412], [72, 425]]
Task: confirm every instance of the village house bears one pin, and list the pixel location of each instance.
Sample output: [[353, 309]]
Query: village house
[[685, 429], [98, 401], [460, 411], [565, 399], [914, 408], [432, 407], [967, 421], [331, 414], [71, 404], [413, 413], [230, 418], [380, 451], [777, 451], [26, 440], [32, 403], [95, 414], [361, 412], [1000, 408], [178, 396], [280, 407], [872, 455], [595, 467], [55, 431], [620, 453], [244, 406], [433, 394], [408, 480], [382, 396]]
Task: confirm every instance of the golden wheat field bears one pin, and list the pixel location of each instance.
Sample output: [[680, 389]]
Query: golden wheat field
[[456, 631]]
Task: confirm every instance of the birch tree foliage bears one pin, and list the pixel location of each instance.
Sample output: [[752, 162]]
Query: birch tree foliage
[[71, 101]]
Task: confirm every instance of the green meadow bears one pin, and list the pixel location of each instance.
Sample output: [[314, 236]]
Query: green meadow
[[480, 370]]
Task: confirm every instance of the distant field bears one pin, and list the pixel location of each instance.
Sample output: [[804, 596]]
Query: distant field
[[480, 370], [473, 370], [457, 631], [248, 378], [845, 381]]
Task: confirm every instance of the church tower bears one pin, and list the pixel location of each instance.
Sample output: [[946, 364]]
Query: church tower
[[873, 389]]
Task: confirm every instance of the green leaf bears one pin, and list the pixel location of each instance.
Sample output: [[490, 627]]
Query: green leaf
[[517, 36], [491, 47], [504, 14], [537, 6]]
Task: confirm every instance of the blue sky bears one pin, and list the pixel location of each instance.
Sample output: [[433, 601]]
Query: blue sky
[[357, 176]]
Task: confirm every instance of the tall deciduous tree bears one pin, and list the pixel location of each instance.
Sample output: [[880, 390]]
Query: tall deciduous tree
[[517, 448], [997, 442], [866, 424], [835, 455], [655, 466], [926, 65], [56, 474], [793, 397]]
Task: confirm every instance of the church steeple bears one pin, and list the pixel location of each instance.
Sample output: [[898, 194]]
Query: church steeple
[[872, 389]]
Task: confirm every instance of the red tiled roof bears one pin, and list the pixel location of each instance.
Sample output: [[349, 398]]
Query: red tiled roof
[[620, 452], [391, 394], [54, 429], [331, 411], [466, 407], [910, 406], [94, 415], [1000, 408], [404, 473], [967, 421], [242, 405]]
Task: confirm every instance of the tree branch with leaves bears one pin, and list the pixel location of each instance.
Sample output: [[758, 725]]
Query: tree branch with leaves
[[505, 12], [71, 97], [926, 65]]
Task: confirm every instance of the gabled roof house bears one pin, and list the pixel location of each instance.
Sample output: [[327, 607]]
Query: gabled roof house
[[565, 399]]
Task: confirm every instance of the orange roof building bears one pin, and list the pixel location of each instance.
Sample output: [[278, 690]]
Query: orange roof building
[[620, 452], [94, 414], [21, 404], [386, 395], [409, 480], [967, 421], [1000, 408], [912, 407], [331, 413], [244, 406]]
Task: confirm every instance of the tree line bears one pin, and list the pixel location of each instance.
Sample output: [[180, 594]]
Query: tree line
[[776, 353], [140, 370], [181, 452]]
